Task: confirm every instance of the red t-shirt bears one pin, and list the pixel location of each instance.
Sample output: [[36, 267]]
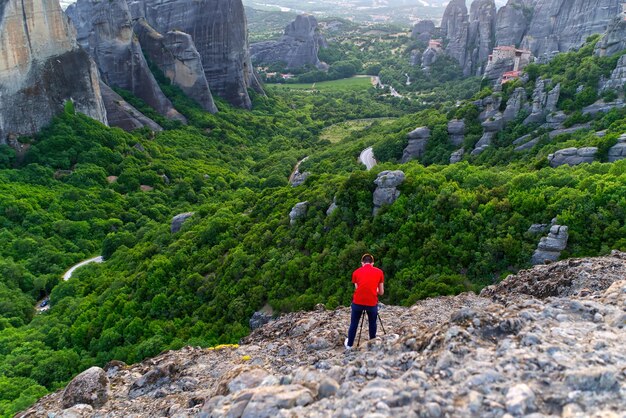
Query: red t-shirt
[[367, 279]]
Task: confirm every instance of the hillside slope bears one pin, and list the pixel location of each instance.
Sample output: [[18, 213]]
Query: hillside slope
[[548, 340]]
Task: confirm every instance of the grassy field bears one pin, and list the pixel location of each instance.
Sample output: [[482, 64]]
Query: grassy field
[[353, 83], [339, 131]]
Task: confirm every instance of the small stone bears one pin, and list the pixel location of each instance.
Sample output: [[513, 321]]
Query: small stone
[[571, 410], [91, 387], [598, 317], [596, 379], [328, 387], [433, 410], [520, 399]]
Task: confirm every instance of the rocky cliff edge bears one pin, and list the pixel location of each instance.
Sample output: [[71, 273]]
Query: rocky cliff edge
[[548, 341]]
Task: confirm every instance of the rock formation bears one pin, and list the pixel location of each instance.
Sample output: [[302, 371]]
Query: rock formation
[[550, 247], [297, 212], [543, 102], [457, 156], [470, 36], [418, 139], [456, 132], [614, 39], [548, 340], [297, 48], [179, 220], [41, 68], [122, 115], [219, 32], [618, 151], [618, 77], [573, 156], [91, 387], [386, 192], [514, 105], [104, 30], [423, 30], [177, 57], [513, 21]]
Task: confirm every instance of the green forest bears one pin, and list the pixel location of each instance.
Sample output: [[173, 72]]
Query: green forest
[[83, 189]]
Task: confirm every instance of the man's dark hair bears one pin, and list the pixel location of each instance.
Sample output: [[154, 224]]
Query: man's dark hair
[[367, 258]]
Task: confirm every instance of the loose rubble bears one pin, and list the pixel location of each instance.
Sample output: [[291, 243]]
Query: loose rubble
[[548, 341]]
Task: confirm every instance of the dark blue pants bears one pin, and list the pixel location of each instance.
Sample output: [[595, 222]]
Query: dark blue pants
[[357, 311]]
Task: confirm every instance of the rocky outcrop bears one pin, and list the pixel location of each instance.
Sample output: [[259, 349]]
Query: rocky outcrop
[[386, 193], [423, 30], [543, 102], [122, 115], [91, 387], [297, 212], [548, 340], [259, 319], [428, 58], [177, 57], [457, 156], [550, 247], [573, 156], [618, 151], [456, 132], [602, 107], [565, 24], [418, 139], [513, 21], [514, 105], [618, 77], [104, 29], [470, 36], [614, 39], [179, 220], [219, 32], [42, 68], [297, 48]]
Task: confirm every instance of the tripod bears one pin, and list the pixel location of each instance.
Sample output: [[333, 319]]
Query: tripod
[[363, 314]]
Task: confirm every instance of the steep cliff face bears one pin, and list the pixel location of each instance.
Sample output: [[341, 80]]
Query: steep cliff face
[[512, 22], [219, 31], [470, 36], [614, 39], [564, 24], [105, 31], [177, 57], [41, 67], [297, 48]]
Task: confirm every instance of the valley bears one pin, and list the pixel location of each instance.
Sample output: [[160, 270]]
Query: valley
[[222, 177]]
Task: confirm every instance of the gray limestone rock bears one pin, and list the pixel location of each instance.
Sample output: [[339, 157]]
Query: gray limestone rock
[[91, 387], [520, 399], [614, 39], [618, 151], [104, 30], [455, 28], [495, 70], [573, 156], [299, 178], [177, 57], [429, 57], [456, 132], [527, 145], [259, 319], [219, 31], [297, 48], [514, 104], [179, 220], [418, 139], [423, 27], [560, 25], [416, 57], [457, 156], [484, 143], [152, 381], [298, 211], [490, 107], [550, 247], [122, 115], [538, 228], [42, 68], [618, 77], [569, 130], [512, 22], [602, 107], [543, 103], [386, 192], [333, 207]]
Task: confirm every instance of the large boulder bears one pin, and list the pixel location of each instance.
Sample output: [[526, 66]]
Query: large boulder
[[423, 30], [514, 104], [418, 139], [543, 102], [573, 156], [550, 247], [177, 57], [220, 34], [618, 151], [456, 132], [386, 192], [104, 29], [297, 48], [179, 220], [122, 114], [298, 211], [91, 387], [42, 68]]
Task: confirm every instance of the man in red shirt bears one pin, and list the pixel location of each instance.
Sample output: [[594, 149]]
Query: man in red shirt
[[368, 285]]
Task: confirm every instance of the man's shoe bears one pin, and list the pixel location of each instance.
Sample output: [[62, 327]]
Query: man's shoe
[[345, 344]]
